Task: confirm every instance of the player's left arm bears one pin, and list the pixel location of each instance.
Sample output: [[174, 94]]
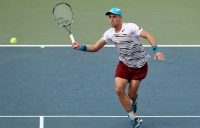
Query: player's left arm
[[152, 42]]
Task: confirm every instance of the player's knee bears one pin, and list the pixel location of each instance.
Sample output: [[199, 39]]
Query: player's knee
[[132, 95], [119, 91]]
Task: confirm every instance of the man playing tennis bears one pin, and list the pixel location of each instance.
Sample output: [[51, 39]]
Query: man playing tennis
[[132, 67]]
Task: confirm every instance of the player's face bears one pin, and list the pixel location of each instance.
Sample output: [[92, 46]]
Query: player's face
[[115, 20]]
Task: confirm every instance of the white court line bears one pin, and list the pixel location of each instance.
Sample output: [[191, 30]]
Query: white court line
[[41, 122], [93, 116], [42, 46]]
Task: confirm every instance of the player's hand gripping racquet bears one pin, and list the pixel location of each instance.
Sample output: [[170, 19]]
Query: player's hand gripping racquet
[[63, 16]]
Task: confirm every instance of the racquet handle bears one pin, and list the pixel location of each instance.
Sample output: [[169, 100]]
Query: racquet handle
[[72, 38]]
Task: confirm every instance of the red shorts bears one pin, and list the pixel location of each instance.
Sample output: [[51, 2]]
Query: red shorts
[[130, 73]]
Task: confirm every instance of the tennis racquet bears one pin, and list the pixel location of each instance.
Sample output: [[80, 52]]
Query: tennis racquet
[[63, 16]]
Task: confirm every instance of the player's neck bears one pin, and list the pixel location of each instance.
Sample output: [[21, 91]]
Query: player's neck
[[118, 28]]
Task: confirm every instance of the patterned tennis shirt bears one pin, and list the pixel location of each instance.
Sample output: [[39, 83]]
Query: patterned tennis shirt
[[127, 41]]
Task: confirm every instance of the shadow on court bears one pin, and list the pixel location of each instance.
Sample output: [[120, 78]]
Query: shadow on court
[[62, 81]]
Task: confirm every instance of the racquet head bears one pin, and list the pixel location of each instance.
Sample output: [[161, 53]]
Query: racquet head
[[63, 14]]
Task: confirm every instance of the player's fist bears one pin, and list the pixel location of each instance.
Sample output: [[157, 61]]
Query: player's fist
[[76, 45]]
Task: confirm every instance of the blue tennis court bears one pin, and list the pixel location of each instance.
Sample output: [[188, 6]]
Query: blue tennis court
[[75, 89]]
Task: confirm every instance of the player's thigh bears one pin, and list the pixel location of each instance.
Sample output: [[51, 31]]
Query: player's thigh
[[133, 87], [120, 84]]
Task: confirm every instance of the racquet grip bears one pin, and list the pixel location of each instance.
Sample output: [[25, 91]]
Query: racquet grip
[[72, 38]]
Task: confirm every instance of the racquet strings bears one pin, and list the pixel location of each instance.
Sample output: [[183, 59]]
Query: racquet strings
[[63, 14]]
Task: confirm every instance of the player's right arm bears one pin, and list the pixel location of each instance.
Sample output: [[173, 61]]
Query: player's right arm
[[89, 48]]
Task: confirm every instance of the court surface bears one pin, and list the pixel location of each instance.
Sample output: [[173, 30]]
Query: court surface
[[75, 89]]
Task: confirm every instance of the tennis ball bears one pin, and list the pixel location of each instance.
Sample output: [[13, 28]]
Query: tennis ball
[[13, 40]]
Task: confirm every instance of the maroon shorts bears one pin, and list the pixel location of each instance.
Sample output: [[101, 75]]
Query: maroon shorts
[[130, 73]]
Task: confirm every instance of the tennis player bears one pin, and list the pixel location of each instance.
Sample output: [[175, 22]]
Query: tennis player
[[132, 67]]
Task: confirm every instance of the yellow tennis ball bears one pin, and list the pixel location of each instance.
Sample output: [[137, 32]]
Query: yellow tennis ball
[[13, 40]]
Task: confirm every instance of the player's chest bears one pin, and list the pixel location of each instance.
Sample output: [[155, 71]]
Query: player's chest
[[122, 37]]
